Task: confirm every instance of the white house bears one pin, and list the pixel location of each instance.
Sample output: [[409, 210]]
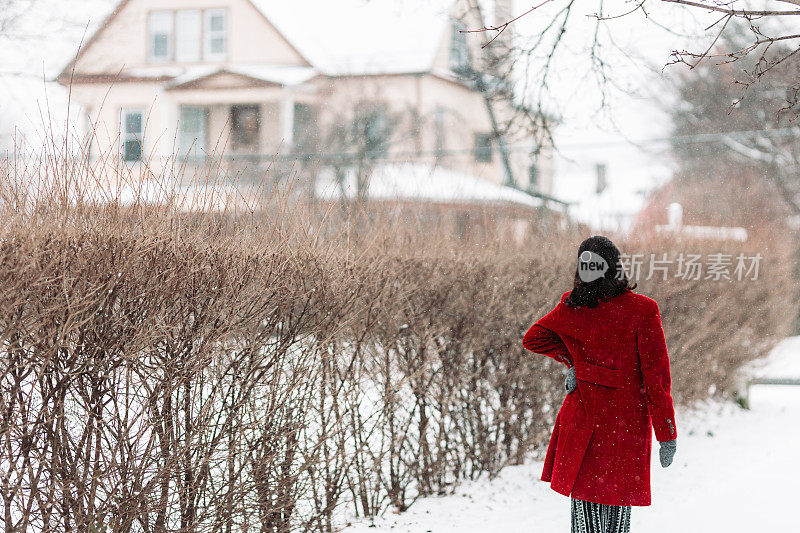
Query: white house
[[306, 80]]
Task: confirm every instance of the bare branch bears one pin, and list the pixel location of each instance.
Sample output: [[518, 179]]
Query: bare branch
[[736, 12], [502, 27]]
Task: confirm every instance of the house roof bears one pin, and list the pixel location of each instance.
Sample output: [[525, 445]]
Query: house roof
[[427, 183], [285, 75], [718, 233], [94, 29], [348, 37]]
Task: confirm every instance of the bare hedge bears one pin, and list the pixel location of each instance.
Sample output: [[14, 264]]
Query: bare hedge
[[162, 372]]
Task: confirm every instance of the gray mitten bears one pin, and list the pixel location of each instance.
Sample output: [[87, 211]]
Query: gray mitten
[[667, 452], [571, 382]]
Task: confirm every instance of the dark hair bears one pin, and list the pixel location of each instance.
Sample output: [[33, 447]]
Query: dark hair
[[613, 283]]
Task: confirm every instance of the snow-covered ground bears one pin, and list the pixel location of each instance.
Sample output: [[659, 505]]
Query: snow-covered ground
[[735, 471]]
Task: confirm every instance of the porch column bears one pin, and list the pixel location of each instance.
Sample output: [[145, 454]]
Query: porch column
[[88, 133], [287, 120], [169, 116]]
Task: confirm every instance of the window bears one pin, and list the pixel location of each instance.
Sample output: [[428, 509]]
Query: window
[[216, 34], [132, 135], [483, 147], [533, 176], [373, 129], [193, 127], [245, 127], [304, 129], [459, 49], [188, 34], [160, 25]]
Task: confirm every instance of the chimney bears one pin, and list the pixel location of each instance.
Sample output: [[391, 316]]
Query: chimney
[[602, 182], [675, 215]]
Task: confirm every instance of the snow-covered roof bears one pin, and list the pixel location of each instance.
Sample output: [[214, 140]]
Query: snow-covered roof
[[705, 232], [342, 37], [280, 74], [167, 72], [358, 37], [287, 75], [420, 182]]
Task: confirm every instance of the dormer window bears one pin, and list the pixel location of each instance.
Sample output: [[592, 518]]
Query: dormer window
[[216, 34], [188, 35], [459, 48], [160, 45]]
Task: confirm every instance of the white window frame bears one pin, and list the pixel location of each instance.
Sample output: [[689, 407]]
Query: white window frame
[[188, 35], [209, 35], [126, 136], [151, 33]]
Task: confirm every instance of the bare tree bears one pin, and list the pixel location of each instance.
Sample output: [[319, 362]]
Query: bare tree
[[357, 140], [717, 135], [764, 27]]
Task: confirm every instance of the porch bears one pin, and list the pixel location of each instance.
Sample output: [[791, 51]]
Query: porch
[[237, 119]]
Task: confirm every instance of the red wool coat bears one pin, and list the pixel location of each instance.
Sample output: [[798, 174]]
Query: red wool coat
[[600, 447]]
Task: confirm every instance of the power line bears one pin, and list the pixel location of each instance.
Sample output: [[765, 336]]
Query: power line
[[696, 138]]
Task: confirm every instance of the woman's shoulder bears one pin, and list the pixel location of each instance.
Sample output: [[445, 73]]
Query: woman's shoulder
[[627, 297], [645, 302]]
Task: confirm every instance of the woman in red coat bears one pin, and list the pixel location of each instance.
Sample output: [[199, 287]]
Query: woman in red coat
[[613, 344]]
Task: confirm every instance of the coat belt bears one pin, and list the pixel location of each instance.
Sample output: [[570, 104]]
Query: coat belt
[[599, 375], [580, 421]]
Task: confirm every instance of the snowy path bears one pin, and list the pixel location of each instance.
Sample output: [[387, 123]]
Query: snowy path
[[735, 471]]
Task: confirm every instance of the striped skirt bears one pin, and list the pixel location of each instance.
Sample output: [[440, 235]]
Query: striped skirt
[[590, 517]]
